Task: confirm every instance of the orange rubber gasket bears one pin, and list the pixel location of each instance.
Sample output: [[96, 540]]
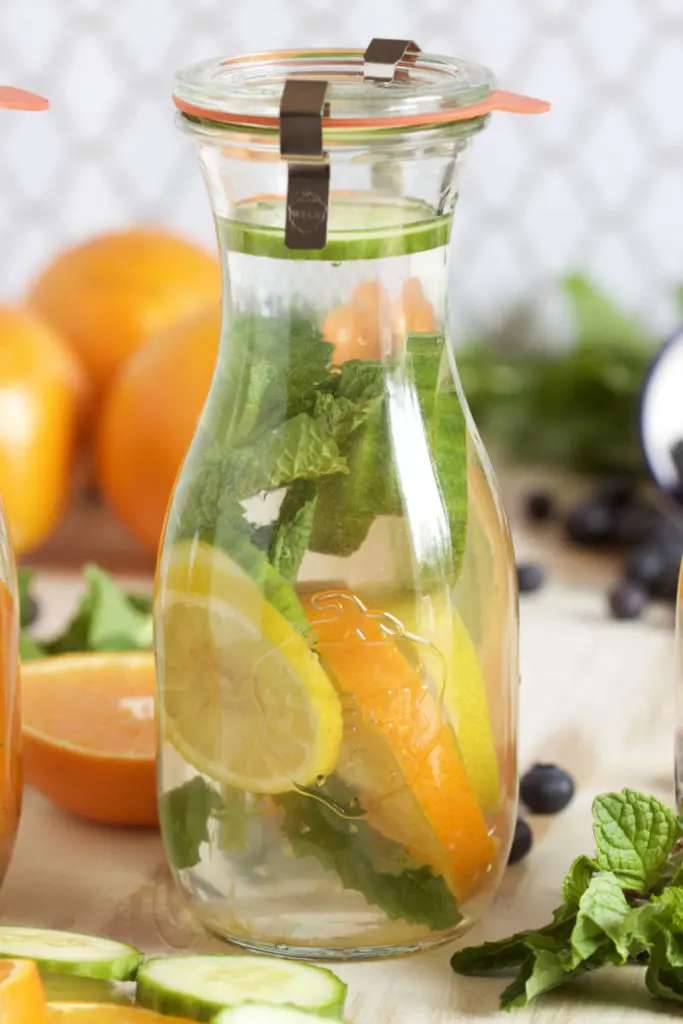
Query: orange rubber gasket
[[511, 102], [18, 99]]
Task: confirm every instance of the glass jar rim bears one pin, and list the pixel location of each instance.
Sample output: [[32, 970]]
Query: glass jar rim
[[427, 89]]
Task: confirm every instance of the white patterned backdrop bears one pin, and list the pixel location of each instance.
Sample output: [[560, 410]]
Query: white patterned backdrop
[[596, 185]]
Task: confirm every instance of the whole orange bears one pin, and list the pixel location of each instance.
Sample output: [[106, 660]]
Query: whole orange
[[149, 418], [39, 388], [109, 295]]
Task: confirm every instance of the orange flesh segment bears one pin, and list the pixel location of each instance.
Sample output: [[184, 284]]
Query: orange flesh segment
[[22, 998], [104, 705], [104, 1013], [395, 704]]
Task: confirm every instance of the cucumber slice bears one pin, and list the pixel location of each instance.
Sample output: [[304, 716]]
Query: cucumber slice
[[199, 987], [262, 1013], [359, 229], [71, 953]]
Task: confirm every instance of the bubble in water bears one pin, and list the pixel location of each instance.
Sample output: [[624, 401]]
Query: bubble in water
[[354, 802], [337, 263], [320, 781], [303, 829], [353, 829]]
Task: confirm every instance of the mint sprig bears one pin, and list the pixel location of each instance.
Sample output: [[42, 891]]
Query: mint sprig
[[621, 906]]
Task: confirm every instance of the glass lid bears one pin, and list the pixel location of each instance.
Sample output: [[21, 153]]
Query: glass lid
[[391, 84]]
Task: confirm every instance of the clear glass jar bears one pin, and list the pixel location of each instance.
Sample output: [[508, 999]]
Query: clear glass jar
[[336, 606], [10, 722]]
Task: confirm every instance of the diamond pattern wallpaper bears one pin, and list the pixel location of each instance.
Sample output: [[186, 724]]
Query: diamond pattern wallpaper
[[595, 185]]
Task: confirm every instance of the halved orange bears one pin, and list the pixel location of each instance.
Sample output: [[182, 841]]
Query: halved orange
[[399, 735], [90, 734], [22, 998], [104, 1013]]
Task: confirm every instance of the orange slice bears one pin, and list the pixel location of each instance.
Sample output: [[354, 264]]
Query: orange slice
[[90, 735], [22, 998], [356, 647], [103, 1013]]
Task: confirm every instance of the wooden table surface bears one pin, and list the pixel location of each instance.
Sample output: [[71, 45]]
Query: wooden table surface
[[596, 697]]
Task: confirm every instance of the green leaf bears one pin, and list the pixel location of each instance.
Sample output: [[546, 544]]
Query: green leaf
[[25, 579], [578, 879], [514, 951], [634, 835], [492, 957], [231, 532], [106, 619], [445, 429], [292, 530], [29, 649], [545, 971], [364, 860], [599, 321], [184, 815], [603, 912]]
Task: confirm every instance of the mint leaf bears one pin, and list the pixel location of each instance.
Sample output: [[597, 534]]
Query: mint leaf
[[445, 429], [29, 649], [492, 956], [184, 815], [599, 321], [292, 530], [577, 880], [25, 578], [634, 835], [603, 912], [106, 619], [515, 950], [364, 860], [231, 532], [541, 973]]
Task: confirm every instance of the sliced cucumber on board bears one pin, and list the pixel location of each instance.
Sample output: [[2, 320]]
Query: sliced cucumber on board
[[262, 1013], [199, 987], [71, 953]]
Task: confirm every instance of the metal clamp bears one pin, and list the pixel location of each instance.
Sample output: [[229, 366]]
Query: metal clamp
[[302, 109], [382, 57]]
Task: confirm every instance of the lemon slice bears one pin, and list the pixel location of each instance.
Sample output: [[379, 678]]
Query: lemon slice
[[243, 698]]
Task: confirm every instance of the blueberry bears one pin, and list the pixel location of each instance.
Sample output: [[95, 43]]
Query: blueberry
[[636, 523], [665, 586], [530, 577], [546, 789], [645, 565], [522, 841], [540, 506], [627, 600], [591, 524], [615, 491]]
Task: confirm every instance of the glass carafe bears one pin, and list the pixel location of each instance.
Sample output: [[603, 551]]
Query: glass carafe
[[336, 606], [10, 723]]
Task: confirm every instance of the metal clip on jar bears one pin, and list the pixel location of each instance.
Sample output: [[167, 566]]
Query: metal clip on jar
[[336, 609]]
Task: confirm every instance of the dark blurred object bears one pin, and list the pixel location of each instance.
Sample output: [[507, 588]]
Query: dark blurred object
[[530, 577], [539, 506], [627, 600], [677, 456], [546, 789], [522, 842], [636, 523], [591, 524], [616, 491], [574, 409]]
